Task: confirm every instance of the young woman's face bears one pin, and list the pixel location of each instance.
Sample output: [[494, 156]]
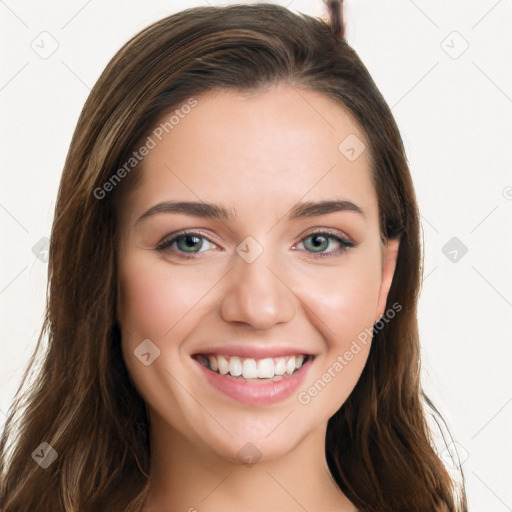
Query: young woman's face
[[230, 258]]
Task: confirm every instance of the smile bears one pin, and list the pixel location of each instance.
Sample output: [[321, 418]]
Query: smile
[[245, 368], [253, 381]]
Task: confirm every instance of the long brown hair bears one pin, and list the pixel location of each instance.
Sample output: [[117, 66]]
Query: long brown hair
[[82, 402]]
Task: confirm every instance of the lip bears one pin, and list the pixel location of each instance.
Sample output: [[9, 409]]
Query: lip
[[253, 351], [255, 393]]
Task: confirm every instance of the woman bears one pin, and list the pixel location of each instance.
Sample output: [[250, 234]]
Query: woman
[[234, 272]]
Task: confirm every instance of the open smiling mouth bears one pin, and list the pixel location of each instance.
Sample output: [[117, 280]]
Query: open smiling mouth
[[269, 369]]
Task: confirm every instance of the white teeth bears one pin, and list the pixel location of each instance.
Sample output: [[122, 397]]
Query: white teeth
[[235, 366], [266, 368], [248, 368], [290, 365], [213, 363], [223, 365], [280, 366]]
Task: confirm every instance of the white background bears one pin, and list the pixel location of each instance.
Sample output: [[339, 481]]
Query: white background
[[454, 112]]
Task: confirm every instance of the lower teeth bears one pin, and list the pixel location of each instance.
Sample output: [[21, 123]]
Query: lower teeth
[[275, 378]]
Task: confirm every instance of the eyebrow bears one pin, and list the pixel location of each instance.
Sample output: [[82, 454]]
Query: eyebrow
[[213, 211]]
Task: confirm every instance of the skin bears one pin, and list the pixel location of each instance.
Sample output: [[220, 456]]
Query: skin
[[257, 156]]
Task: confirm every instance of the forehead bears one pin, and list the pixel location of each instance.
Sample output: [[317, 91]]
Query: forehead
[[261, 151]]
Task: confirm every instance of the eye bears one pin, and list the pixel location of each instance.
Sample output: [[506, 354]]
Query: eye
[[319, 242], [186, 242]]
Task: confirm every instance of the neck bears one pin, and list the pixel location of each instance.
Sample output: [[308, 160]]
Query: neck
[[186, 477]]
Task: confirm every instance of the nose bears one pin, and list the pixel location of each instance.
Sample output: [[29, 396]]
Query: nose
[[257, 295]]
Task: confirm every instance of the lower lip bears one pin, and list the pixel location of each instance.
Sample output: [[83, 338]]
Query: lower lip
[[256, 393]]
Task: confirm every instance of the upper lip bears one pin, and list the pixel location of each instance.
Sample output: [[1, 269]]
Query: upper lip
[[252, 351]]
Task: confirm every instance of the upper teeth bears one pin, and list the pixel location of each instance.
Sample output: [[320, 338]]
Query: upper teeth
[[252, 368]]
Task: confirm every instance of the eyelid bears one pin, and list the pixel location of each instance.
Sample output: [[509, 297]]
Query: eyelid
[[328, 231]]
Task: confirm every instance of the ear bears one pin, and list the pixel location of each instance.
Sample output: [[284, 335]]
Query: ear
[[389, 257]]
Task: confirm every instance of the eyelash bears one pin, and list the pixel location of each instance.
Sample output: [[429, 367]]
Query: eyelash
[[344, 243]]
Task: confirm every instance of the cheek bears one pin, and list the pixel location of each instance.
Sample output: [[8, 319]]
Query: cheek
[[345, 298], [152, 299], [343, 308], [343, 303], [158, 305]]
